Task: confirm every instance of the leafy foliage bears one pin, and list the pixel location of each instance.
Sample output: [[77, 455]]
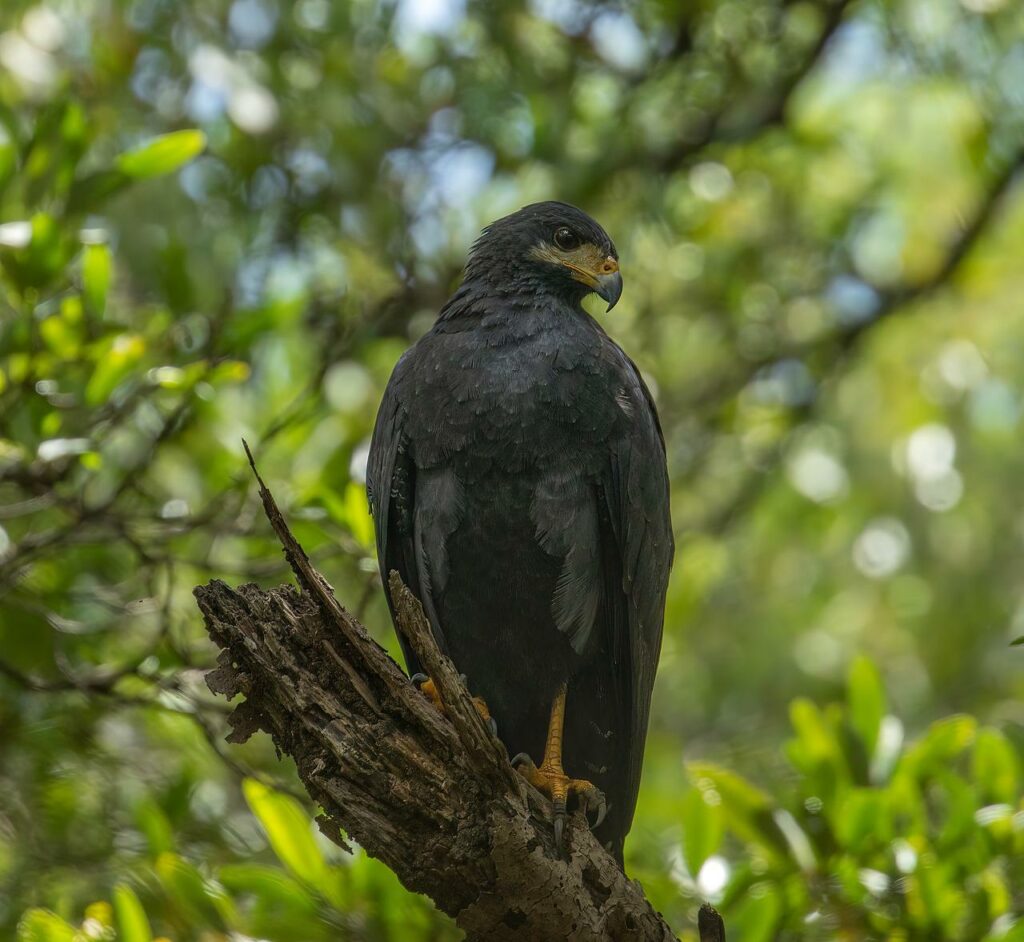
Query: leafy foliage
[[872, 839], [229, 218]]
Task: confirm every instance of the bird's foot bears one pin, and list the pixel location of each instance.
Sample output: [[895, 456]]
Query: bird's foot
[[429, 689], [551, 779]]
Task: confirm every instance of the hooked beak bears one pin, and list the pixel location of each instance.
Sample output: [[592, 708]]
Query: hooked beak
[[608, 281], [609, 287], [602, 277]]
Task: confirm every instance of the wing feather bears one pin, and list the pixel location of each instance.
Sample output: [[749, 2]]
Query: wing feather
[[638, 536], [392, 484]]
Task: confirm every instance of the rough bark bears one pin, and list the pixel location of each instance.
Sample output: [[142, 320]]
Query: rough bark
[[431, 795]]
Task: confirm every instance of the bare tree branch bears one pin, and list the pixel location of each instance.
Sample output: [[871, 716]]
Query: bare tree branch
[[710, 925], [431, 795]]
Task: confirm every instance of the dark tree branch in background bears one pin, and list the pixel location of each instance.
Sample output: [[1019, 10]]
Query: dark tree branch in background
[[837, 343], [774, 110], [770, 111], [104, 686], [965, 240], [432, 796], [836, 347]]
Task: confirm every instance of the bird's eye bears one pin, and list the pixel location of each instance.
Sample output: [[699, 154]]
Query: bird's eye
[[566, 239]]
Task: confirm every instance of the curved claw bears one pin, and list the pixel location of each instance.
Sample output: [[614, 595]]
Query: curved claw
[[428, 688], [552, 781], [594, 801], [559, 822]]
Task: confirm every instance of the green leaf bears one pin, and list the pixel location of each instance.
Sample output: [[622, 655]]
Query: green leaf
[[230, 371], [272, 890], [40, 925], [1017, 641], [958, 803], [58, 142], [289, 831], [994, 767], [864, 820], [162, 155], [153, 823], [702, 826], [816, 739], [933, 898], [90, 192], [97, 265], [734, 789], [756, 917], [746, 810], [202, 903], [60, 333], [263, 881], [116, 364], [818, 749], [946, 739], [44, 257], [132, 924], [866, 697]]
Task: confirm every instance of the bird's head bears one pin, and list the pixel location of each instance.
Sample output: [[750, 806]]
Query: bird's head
[[552, 248]]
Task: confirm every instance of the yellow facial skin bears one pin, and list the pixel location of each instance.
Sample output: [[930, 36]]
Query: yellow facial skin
[[586, 263]]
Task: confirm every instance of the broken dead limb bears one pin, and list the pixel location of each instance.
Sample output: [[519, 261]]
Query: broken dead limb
[[432, 796]]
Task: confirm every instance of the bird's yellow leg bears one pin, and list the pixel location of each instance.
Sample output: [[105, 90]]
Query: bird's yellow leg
[[550, 777], [429, 689]]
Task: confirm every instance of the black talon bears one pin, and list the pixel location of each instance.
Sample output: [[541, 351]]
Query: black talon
[[596, 803], [419, 679], [559, 816]]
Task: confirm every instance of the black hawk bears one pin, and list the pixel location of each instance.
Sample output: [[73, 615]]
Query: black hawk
[[517, 482]]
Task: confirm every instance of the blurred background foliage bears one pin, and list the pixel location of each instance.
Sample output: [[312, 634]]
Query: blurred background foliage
[[225, 219]]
